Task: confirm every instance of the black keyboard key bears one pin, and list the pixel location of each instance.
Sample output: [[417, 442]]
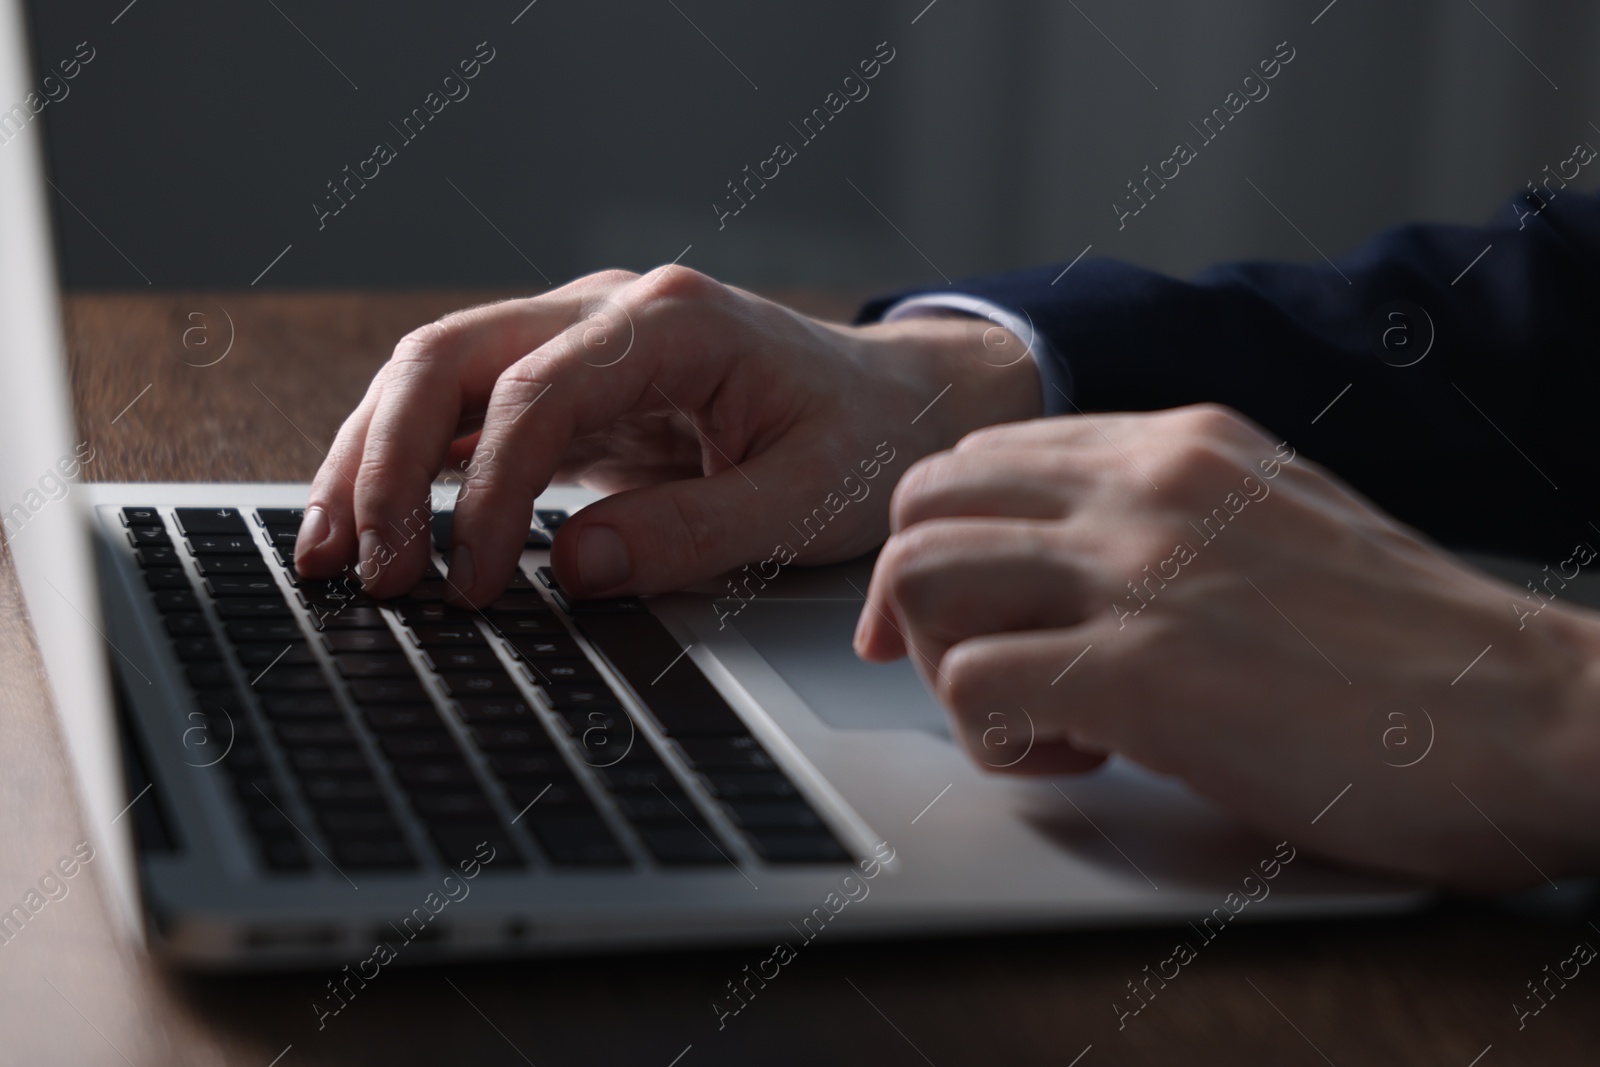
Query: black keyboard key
[[574, 840], [532, 624], [541, 647], [253, 608], [207, 673], [224, 545], [149, 537], [555, 790], [726, 753], [158, 557], [437, 745], [281, 679], [141, 517], [628, 775], [186, 625], [329, 760], [563, 672], [343, 590], [538, 766], [461, 658], [196, 648], [551, 518], [360, 641], [749, 785], [650, 658], [285, 630], [487, 844], [261, 655], [374, 665], [788, 846], [284, 538], [301, 706], [525, 602], [448, 635], [430, 612], [325, 732], [790, 814], [388, 691], [352, 618], [611, 722], [403, 718], [427, 590], [680, 844], [376, 823], [493, 709], [166, 578], [342, 793], [367, 855], [663, 805], [434, 773], [213, 565], [619, 606], [581, 697], [479, 683], [242, 585], [211, 521], [536, 539], [280, 516], [169, 600], [451, 805], [501, 738]]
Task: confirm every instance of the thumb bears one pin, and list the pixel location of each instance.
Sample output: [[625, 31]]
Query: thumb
[[673, 534]]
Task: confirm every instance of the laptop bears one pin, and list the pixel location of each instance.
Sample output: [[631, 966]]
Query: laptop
[[278, 772]]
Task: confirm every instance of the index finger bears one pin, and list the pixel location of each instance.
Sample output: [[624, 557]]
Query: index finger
[[374, 488]]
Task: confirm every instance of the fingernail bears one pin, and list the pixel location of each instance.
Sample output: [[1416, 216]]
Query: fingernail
[[461, 572], [314, 530], [602, 559], [371, 563]]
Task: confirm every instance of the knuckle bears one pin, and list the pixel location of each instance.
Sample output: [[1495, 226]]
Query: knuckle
[[423, 343], [677, 283], [522, 380], [1193, 469], [1217, 422]]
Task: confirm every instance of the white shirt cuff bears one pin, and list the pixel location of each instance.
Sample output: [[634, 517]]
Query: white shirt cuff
[[1054, 381]]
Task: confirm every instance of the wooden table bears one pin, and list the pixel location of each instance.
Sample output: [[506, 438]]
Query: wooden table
[[1434, 988]]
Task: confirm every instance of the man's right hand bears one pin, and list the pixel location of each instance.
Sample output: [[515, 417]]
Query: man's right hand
[[719, 420]]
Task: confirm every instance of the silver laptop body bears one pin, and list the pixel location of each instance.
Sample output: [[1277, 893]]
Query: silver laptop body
[[515, 781]]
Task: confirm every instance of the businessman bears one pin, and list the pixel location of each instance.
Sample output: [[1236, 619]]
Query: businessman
[[1219, 501]]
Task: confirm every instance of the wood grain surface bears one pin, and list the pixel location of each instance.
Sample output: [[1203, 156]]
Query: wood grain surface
[[1431, 988]]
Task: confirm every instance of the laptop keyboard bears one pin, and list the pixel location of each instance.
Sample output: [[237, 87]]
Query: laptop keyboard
[[391, 735]]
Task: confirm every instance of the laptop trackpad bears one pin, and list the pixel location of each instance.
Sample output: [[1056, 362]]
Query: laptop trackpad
[[808, 643]]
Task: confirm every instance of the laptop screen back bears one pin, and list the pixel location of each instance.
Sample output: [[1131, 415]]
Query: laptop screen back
[[42, 513]]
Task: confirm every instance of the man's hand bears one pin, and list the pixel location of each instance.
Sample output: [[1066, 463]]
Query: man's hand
[[1253, 628], [717, 419]]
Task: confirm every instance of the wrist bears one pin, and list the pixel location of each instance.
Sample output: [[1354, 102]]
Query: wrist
[[981, 373]]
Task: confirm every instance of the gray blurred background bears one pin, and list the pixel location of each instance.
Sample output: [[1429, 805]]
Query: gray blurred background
[[195, 144]]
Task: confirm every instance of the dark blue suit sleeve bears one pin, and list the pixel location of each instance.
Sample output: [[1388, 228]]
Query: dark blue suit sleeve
[[1466, 402]]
